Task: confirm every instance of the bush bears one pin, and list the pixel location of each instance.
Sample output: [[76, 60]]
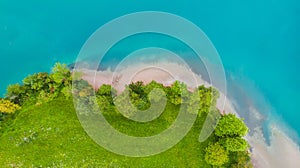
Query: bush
[[16, 93], [8, 107], [107, 92], [208, 98], [61, 76], [231, 126], [216, 155], [155, 91], [235, 144], [178, 93]]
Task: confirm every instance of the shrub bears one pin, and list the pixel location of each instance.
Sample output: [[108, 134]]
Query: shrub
[[61, 76], [230, 126], [178, 93], [16, 93], [235, 144], [8, 107], [208, 98], [107, 92], [216, 155]]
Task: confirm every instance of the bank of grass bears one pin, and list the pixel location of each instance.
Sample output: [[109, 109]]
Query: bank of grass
[[50, 135]]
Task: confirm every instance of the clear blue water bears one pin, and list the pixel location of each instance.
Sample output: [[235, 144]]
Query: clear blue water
[[258, 41]]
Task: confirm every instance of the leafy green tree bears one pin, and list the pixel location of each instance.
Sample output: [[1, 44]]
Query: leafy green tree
[[202, 100], [194, 103], [37, 82], [61, 80], [208, 98], [178, 93], [216, 155], [235, 144], [156, 89], [67, 91], [107, 92], [61, 75], [137, 88], [16, 93], [152, 85], [231, 126], [138, 96]]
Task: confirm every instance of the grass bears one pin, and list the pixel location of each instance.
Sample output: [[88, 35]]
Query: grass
[[50, 135]]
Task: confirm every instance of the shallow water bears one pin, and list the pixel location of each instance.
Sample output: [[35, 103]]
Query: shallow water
[[258, 41]]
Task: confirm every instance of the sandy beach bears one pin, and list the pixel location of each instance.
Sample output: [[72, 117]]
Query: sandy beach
[[282, 151]]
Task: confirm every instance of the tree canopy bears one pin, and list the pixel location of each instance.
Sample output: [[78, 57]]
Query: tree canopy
[[178, 92], [230, 126], [235, 144], [216, 155]]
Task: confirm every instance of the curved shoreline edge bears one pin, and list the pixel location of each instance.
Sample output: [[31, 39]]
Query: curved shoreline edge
[[282, 151]]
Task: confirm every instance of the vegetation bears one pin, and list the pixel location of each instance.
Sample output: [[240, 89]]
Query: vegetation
[[231, 126], [229, 132], [41, 87], [235, 144], [45, 132], [8, 107], [216, 155]]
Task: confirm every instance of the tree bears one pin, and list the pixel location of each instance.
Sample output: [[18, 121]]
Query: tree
[[202, 100], [235, 144], [15, 93], [194, 103], [137, 88], [231, 126], [155, 91], [61, 80], [208, 98], [152, 85], [8, 107], [138, 96], [216, 155], [178, 92], [61, 74], [107, 92], [37, 82]]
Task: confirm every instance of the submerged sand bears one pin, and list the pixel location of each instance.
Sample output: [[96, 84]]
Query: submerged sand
[[282, 151]]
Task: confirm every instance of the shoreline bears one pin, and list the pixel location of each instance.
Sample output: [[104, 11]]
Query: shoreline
[[262, 154]]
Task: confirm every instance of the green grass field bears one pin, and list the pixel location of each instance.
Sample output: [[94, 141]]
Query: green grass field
[[50, 135]]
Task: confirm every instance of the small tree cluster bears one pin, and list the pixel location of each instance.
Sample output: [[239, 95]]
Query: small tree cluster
[[202, 100], [230, 131], [41, 87]]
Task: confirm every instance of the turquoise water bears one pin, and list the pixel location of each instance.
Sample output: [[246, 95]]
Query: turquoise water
[[258, 41]]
